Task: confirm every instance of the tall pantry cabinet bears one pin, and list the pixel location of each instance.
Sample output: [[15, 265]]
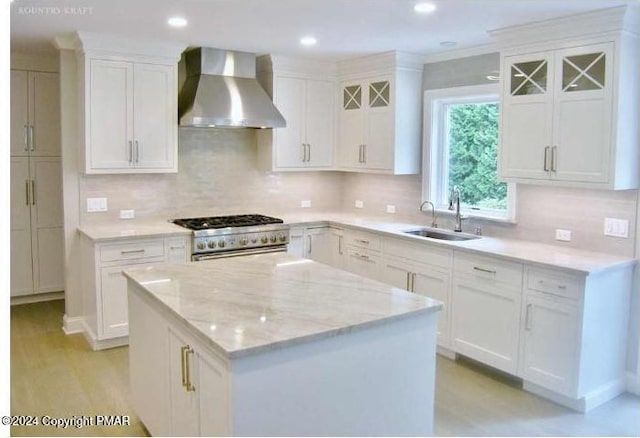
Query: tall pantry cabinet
[[37, 236]]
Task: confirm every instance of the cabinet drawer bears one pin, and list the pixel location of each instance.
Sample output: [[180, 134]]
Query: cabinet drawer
[[553, 282], [489, 268], [422, 253], [136, 250], [363, 240]]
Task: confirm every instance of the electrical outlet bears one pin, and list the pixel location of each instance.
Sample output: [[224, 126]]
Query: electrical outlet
[[305, 204], [96, 204], [616, 227], [391, 208], [127, 214], [359, 204], [563, 235]]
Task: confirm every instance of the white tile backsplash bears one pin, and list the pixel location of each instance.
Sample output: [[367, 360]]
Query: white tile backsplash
[[218, 175]]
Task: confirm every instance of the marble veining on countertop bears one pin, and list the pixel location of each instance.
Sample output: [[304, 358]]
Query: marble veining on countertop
[[244, 305]]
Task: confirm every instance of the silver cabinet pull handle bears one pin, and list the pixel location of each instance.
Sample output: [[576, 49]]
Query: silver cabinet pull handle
[[33, 143], [130, 151], [137, 152], [554, 151], [132, 251], [527, 322], [176, 247], [408, 280], [26, 138], [26, 185], [546, 159], [360, 154], [413, 281], [33, 192], [309, 239], [309, 153], [303, 153], [364, 153], [340, 245], [488, 271], [366, 242]]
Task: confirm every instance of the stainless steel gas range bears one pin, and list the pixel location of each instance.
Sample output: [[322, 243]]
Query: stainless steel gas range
[[227, 236]]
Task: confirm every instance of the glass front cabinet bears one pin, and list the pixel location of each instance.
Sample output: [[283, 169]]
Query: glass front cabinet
[[557, 114]]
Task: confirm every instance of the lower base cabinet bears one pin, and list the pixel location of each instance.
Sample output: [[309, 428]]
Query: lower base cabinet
[[485, 308], [106, 320]]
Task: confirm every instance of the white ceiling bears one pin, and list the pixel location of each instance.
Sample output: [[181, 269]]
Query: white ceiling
[[342, 27]]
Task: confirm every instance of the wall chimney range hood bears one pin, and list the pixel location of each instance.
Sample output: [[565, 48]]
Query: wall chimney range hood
[[221, 90]]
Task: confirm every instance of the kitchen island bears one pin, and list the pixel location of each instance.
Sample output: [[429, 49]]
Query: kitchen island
[[277, 345]]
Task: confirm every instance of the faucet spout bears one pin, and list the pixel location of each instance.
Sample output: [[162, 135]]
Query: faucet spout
[[433, 213], [454, 197]]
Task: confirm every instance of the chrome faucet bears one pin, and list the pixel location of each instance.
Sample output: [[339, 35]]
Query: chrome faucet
[[454, 196], [433, 213]]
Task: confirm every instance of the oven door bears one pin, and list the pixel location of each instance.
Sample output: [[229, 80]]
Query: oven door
[[239, 252]]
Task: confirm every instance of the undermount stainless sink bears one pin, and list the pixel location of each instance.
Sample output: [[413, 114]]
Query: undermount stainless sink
[[430, 233]]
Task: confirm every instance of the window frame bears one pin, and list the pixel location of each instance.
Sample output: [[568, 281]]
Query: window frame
[[434, 152]]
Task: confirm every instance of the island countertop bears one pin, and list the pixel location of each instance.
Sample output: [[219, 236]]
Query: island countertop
[[245, 305]]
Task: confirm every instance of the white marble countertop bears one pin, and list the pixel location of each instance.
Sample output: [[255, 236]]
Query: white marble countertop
[[132, 228], [579, 261], [244, 305]]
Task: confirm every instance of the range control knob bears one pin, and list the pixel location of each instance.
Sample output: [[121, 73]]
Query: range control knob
[[201, 245], [254, 240], [282, 238], [264, 239], [244, 241], [222, 244], [273, 238], [211, 244]]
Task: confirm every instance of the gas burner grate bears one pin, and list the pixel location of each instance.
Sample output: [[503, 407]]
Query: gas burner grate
[[241, 220]]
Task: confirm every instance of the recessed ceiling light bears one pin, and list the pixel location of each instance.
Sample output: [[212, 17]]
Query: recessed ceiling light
[[177, 21], [424, 8], [308, 41]]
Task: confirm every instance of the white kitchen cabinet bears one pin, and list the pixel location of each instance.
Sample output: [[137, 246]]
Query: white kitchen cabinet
[[323, 244], [129, 104], [131, 123], [485, 306], [304, 93], [37, 241], [296, 241], [363, 256], [568, 113], [379, 119], [105, 313], [197, 385], [35, 114]]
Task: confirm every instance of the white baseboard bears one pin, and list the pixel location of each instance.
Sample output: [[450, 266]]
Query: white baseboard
[[633, 383], [102, 344], [592, 400], [73, 325], [37, 298], [445, 352]]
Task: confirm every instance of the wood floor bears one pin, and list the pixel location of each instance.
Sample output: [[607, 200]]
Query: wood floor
[[59, 376]]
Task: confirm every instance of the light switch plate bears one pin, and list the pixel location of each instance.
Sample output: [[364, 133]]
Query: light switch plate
[[96, 205], [305, 204], [127, 214], [391, 208], [359, 204], [616, 227], [563, 235]]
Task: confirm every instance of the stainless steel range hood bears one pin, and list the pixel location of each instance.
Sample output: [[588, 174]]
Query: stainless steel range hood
[[221, 90]]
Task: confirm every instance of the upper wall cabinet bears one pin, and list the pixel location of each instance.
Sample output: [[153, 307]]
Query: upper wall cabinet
[[129, 113], [380, 114], [304, 92], [570, 108], [35, 114]]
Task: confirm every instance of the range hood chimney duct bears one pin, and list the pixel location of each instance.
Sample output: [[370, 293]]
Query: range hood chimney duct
[[221, 90]]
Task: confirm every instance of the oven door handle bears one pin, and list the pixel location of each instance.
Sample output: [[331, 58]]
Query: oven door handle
[[241, 252]]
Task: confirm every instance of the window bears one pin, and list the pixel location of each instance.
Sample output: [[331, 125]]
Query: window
[[461, 150]]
